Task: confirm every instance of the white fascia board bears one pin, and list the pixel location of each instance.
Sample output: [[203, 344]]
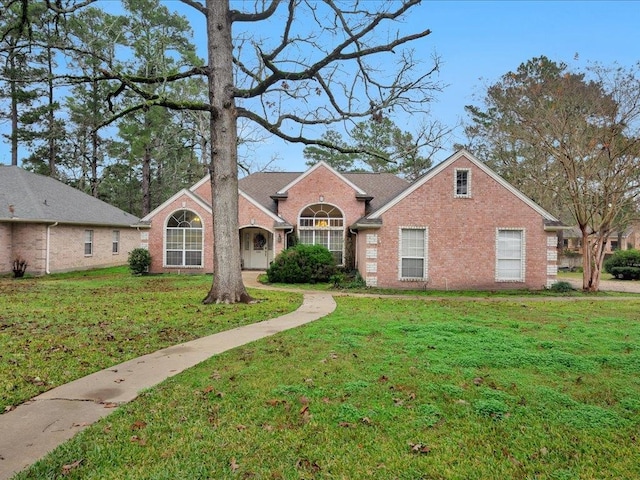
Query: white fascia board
[[259, 206], [321, 163], [199, 183], [444, 164], [181, 193]]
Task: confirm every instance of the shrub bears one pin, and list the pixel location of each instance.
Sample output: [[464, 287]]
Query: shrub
[[19, 267], [561, 287], [139, 261], [624, 264], [302, 264]]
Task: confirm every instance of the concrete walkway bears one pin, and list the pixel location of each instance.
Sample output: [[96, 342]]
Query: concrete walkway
[[41, 424]]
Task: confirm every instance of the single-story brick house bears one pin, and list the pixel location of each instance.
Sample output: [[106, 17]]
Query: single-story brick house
[[57, 228], [459, 226]]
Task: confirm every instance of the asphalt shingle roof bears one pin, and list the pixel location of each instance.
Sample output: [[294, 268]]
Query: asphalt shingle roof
[[29, 197], [381, 186]]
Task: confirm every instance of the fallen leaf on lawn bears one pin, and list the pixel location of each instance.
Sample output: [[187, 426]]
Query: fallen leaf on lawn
[[267, 427], [138, 425], [138, 440], [274, 402], [366, 420], [345, 424], [241, 427], [119, 380], [9, 408], [233, 465], [419, 448], [215, 376], [110, 405], [83, 424], [66, 469], [306, 464], [383, 379], [208, 389], [478, 381], [304, 400]]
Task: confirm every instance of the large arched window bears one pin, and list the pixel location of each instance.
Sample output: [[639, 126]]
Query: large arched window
[[322, 224], [183, 244]]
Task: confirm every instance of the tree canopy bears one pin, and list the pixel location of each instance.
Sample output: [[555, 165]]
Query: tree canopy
[[286, 66], [571, 141]]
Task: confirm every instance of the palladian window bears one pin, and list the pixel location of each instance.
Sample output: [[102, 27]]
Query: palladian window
[[183, 244], [322, 224]]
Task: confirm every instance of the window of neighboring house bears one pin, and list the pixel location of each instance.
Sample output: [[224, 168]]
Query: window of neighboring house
[[88, 243], [323, 224], [183, 240], [115, 241], [510, 255], [614, 245], [463, 183], [413, 253]]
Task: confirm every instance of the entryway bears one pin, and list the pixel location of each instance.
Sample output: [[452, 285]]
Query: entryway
[[257, 248]]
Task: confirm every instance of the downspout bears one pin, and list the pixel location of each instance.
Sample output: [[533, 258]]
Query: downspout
[[285, 237], [355, 249], [47, 253]]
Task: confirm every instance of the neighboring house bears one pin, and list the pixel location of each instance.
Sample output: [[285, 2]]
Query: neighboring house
[[460, 226], [571, 255], [625, 240], [57, 228]]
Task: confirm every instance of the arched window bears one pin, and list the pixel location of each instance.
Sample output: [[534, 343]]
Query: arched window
[[323, 224], [183, 244]]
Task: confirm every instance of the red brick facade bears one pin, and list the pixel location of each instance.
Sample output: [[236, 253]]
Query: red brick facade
[[461, 232]]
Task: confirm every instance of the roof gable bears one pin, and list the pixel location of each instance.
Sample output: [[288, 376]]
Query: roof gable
[[30, 197], [184, 192], [317, 166], [446, 163]]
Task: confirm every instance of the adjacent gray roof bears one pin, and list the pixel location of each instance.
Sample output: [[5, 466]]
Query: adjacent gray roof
[[29, 197]]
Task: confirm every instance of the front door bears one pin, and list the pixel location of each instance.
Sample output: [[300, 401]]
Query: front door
[[255, 251]]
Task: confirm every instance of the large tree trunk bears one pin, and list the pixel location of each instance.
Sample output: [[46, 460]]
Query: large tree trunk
[[227, 284]]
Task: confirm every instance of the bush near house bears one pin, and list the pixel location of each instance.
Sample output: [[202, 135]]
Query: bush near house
[[139, 261], [624, 264], [302, 264]]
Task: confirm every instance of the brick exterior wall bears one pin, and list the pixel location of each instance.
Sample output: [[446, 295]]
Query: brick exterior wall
[[462, 232], [461, 247], [6, 248], [154, 241], [66, 247]]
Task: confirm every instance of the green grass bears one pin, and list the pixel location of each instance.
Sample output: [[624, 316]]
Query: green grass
[[392, 389], [62, 327]]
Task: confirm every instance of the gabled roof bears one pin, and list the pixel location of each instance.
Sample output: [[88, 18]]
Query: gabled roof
[[184, 192], [441, 166], [317, 166], [29, 197], [263, 186]]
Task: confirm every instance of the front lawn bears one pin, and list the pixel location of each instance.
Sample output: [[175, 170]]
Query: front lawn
[[392, 389], [58, 328]]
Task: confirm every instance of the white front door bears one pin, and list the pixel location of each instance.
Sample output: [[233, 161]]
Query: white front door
[[255, 251]]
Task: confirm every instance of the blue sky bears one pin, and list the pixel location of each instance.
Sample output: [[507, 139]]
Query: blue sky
[[478, 41]]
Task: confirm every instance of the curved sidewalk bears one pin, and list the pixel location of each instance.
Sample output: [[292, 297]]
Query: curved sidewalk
[[41, 424]]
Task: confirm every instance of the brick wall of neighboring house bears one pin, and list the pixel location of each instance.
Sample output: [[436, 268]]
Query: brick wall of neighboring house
[[153, 239], [6, 248], [461, 235], [29, 243], [64, 251], [67, 247]]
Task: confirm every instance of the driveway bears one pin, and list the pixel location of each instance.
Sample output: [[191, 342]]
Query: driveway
[[628, 286]]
